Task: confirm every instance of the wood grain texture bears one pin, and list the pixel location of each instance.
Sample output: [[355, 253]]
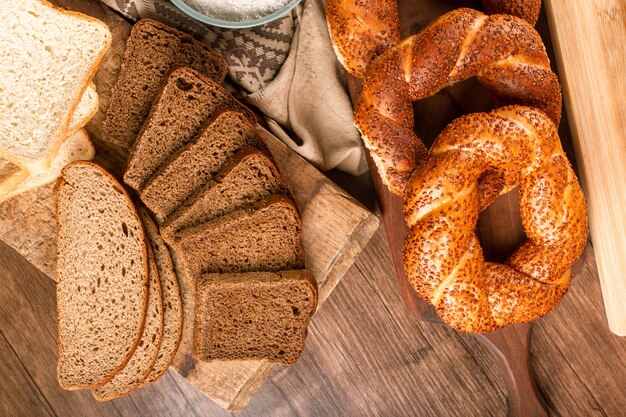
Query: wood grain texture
[[589, 38], [365, 356]]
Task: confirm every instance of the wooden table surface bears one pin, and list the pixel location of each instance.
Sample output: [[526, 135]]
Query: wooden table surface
[[364, 355]]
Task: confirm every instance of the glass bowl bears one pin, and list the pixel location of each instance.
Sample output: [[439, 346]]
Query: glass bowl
[[235, 24]]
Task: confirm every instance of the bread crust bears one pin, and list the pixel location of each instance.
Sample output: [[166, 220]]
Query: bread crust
[[362, 30], [157, 241], [110, 135], [198, 322], [92, 111], [95, 392], [21, 183], [182, 72], [216, 55], [168, 231], [57, 189], [9, 185], [525, 9]]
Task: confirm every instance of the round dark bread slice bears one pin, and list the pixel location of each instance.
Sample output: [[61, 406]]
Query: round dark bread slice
[[102, 276], [140, 364], [172, 304]]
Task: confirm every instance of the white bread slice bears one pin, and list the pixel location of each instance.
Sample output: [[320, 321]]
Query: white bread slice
[[172, 303], [102, 276], [140, 364], [11, 175], [77, 147], [47, 58]]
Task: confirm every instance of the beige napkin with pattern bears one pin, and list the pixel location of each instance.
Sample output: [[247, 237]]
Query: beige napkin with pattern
[[306, 105], [288, 70]]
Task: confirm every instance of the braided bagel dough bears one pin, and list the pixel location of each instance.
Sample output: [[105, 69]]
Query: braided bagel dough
[[442, 256], [504, 52], [363, 29]]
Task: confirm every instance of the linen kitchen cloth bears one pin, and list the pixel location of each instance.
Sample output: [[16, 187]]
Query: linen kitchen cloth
[[286, 68]]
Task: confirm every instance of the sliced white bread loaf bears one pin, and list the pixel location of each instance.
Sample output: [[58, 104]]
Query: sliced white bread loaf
[[102, 276], [77, 147], [172, 303], [46, 68], [140, 364]]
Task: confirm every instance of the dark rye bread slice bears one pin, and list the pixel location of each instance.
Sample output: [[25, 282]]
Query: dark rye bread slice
[[102, 276], [152, 50], [172, 304], [197, 162], [186, 102], [249, 177], [264, 237], [140, 364], [253, 316]]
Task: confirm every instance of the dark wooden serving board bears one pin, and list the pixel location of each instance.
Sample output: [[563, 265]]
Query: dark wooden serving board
[[499, 228]]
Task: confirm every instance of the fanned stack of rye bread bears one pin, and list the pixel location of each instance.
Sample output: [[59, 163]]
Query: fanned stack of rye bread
[[46, 94], [218, 201]]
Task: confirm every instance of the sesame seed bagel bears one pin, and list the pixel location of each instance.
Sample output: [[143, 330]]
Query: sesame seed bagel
[[443, 259], [363, 29], [505, 53]]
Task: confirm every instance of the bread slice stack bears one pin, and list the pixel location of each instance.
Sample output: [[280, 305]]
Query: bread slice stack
[[197, 164], [199, 167], [103, 270], [118, 300], [45, 91], [152, 51]]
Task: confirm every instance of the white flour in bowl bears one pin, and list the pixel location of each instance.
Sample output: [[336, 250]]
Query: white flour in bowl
[[236, 10]]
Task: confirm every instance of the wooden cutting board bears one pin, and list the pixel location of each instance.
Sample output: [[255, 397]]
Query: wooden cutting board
[[590, 43], [335, 230]]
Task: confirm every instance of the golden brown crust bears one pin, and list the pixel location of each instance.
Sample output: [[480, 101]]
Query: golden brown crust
[[524, 9], [57, 191], [442, 256], [158, 245], [504, 52], [362, 30]]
